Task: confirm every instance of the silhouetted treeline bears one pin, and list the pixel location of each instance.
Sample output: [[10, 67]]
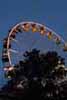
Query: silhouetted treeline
[[39, 76]]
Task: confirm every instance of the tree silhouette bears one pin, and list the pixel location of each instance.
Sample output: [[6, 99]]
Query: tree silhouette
[[38, 76]]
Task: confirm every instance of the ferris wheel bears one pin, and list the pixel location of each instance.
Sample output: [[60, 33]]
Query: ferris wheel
[[16, 33]]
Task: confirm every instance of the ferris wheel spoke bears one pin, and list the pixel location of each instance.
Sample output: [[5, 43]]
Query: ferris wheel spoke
[[32, 45], [15, 40], [18, 43], [12, 50], [16, 52]]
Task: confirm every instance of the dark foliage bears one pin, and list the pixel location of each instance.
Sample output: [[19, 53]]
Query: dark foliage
[[36, 78]]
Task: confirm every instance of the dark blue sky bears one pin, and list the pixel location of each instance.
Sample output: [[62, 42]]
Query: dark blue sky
[[52, 13]]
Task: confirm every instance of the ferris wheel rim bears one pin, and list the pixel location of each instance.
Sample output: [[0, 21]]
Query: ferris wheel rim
[[30, 22]]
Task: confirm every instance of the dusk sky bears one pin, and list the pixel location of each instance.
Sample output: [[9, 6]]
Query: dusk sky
[[52, 13]]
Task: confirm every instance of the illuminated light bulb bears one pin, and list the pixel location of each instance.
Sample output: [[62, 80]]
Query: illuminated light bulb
[[11, 68], [8, 68], [5, 69], [66, 69], [42, 30], [9, 77], [34, 28], [49, 34], [59, 62], [26, 27], [15, 30], [58, 40]]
